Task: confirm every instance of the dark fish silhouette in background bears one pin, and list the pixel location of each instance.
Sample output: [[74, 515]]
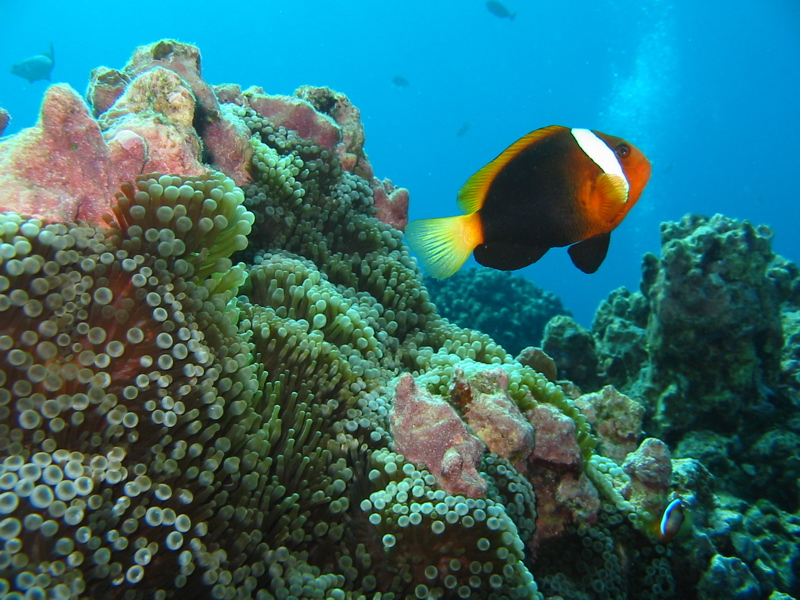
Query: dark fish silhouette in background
[[498, 9], [463, 129], [400, 81], [36, 67]]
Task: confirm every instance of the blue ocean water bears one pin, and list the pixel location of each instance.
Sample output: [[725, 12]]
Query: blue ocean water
[[708, 90]]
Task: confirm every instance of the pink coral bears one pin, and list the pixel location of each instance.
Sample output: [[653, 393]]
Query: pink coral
[[66, 134], [617, 420], [391, 202], [348, 117], [556, 441], [428, 430], [650, 470], [147, 123], [105, 87], [492, 414], [159, 108], [564, 494], [4, 119], [157, 114], [221, 134], [296, 114], [181, 59]]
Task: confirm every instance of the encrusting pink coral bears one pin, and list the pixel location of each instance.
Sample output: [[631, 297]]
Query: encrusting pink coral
[[391, 202], [65, 135], [616, 419], [295, 114], [4, 119], [428, 430], [492, 414], [650, 471], [157, 114], [556, 441], [564, 493]]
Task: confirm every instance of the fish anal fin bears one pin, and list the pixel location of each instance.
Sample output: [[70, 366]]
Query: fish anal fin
[[507, 257], [590, 253], [613, 193], [443, 245], [473, 193]]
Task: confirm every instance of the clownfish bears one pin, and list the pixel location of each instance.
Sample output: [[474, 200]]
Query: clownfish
[[671, 520], [554, 187]]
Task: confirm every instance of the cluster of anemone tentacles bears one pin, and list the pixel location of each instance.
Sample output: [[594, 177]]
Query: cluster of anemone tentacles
[[163, 436], [175, 423]]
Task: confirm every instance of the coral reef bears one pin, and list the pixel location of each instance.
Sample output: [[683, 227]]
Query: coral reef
[[707, 331], [229, 381], [174, 424], [707, 348], [507, 307]]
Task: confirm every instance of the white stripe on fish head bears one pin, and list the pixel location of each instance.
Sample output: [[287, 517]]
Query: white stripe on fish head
[[600, 154]]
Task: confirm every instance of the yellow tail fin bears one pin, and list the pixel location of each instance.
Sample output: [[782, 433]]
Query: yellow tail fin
[[444, 244]]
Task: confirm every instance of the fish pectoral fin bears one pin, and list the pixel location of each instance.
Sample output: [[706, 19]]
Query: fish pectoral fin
[[507, 257], [613, 191], [589, 254]]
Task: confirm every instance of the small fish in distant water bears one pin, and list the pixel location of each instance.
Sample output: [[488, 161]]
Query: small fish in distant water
[[463, 130], [400, 81], [36, 67], [670, 523], [498, 9], [554, 187]]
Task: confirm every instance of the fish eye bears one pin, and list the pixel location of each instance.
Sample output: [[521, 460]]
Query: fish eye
[[623, 150]]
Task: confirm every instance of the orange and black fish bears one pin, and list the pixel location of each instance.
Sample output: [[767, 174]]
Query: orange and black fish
[[554, 187]]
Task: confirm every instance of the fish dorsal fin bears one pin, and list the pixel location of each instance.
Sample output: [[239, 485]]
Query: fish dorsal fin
[[613, 192], [507, 257], [589, 254], [473, 193]]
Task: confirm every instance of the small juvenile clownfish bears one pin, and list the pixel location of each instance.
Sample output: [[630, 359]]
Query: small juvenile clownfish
[[554, 187], [671, 520]]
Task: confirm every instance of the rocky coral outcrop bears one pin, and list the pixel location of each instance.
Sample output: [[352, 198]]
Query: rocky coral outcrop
[[706, 348], [707, 351]]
